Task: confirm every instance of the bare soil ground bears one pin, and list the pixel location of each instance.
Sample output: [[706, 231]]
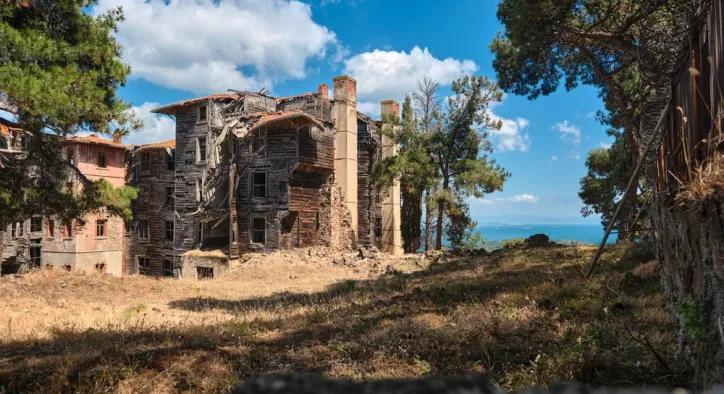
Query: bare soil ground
[[520, 316]]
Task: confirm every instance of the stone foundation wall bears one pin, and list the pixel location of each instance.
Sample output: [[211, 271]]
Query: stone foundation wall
[[335, 219], [190, 261]]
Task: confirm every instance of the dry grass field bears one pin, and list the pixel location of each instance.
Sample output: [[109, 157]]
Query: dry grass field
[[520, 316]]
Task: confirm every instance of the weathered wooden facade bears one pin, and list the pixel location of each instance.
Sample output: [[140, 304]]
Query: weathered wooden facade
[[149, 236]]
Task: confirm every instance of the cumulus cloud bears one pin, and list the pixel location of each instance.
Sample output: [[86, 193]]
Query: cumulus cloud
[[207, 46], [512, 136], [523, 198], [568, 132], [574, 155], [553, 158], [156, 128], [387, 74], [604, 145], [519, 199]]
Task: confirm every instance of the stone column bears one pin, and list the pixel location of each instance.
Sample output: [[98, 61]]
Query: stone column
[[345, 145], [391, 235]]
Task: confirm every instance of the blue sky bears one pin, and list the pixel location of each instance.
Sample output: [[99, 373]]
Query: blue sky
[[185, 48]]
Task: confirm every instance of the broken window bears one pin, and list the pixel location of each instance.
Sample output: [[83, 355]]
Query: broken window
[[200, 149], [51, 228], [168, 267], [259, 184], [4, 143], [201, 232], [127, 227], [69, 229], [144, 265], [19, 228], [378, 227], [204, 273], [168, 226], [171, 161], [169, 195], [258, 231], [35, 253], [143, 229], [23, 143], [258, 143], [36, 225], [101, 267], [145, 161], [283, 188], [100, 228], [202, 113], [102, 159], [378, 195]]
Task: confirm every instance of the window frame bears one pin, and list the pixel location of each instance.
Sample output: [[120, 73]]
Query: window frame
[[36, 227], [204, 109], [166, 230], [68, 229], [146, 271], [168, 198], [146, 161], [141, 230], [378, 228], [199, 138], [169, 270], [102, 163], [254, 184], [255, 231], [51, 228], [257, 135], [171, 161], [101, 228]]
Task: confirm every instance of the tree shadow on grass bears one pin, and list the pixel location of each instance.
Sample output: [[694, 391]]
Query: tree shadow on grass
[[439, 321]]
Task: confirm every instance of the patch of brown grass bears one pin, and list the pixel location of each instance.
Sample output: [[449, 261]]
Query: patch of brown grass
[[521, 317], [708, 180]]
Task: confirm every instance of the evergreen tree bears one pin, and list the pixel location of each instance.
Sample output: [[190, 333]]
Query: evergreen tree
[[461, 146], [59, 71]]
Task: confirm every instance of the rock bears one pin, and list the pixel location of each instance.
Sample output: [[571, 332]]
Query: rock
[[537, 240], [338, 260], [363, 253], [246, 257]]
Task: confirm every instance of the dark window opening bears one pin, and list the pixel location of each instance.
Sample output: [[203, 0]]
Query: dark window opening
[[101, 267], [318, 222], [67, 267], [204, 273], [144, 265], [145, 161], [102, 159], [127, 227], [258, 144], [4, 143], [36, 225], [378, 227], [168, 225], [378, 195], [169, 195], [202, 113], [23, 144], [69, 229], [143, 229], [20, 228], [171, 161], [258, 231], [69, 155], [283, 186], [259, 184], [201, 149], [100, 228], [168, 268], [35, 256], [51, 228]]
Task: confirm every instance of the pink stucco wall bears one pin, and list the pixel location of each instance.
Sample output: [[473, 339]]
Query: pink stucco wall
[[86, 156]]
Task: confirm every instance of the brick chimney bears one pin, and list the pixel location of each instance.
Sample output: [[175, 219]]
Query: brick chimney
[[323, 91], [391, 218], [345, 145], [391, 107], [117, 138]]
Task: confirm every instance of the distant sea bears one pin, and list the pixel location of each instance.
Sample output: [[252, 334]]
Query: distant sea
[[582, 233]]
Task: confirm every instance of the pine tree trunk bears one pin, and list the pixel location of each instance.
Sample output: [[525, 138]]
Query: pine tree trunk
[[428, 220], [441, 214], [690, 243]]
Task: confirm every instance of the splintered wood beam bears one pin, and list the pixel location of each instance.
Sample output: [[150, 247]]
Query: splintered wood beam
[[633, 181]]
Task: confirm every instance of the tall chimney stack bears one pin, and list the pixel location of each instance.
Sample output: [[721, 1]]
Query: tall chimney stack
[[323, 91], [345, 145], [391, 219], [117, 138]]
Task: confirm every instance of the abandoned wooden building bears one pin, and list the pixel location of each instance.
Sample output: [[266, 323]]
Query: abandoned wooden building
[[246, 172]]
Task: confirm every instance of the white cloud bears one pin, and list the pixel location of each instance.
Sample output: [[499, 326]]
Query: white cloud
[[386, 74], [523, 198], [512, 136], [156, 128], [553, 158], [207, 46], [371, 109], [587, 115], [574, 155], [568, 131], [604, 145]]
